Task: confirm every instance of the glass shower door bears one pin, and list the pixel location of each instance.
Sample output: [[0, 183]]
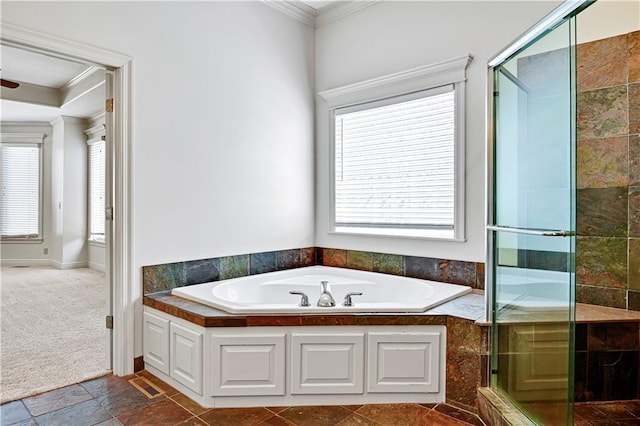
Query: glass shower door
[[532, 238]]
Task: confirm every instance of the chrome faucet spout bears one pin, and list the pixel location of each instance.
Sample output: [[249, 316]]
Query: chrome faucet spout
[[326, 299]]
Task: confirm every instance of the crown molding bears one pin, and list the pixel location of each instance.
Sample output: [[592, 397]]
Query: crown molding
[[438, 74], [340, 9], [5, 124], [294, 9], [317, 18], [22, 137], [28, 39]]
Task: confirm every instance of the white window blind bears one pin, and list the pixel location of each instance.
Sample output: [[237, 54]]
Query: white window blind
[[20, 197], [96, 190], [395, 162]]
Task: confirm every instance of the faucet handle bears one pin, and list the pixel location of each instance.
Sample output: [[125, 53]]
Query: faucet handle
[[304, 302], [347, 298]]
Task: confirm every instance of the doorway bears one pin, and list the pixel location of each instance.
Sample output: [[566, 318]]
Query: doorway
[[117, 253]]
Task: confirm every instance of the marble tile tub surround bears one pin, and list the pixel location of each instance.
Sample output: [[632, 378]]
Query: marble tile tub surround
[[167, 276], [608, 172]]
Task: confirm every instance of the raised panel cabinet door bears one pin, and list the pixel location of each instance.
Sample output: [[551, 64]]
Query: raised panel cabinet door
[[327, 363], [186, 357], [404, 362], [155, 342], [250, 365], [538, 366]]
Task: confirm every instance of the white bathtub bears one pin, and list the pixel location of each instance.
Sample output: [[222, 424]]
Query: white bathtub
[[269, 293]]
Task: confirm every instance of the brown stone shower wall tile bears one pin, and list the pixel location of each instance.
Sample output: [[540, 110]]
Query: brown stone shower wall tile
[[634, 300], [634, 160], [163, 277], [633, 44], [601, 296], [614, 336], [593, 72], [634, 211], [388, 263], [307, 256], [463, 335], [334, 257], [601, 262], [463, 378], [602, 212], [603, 113], [480, 276], [634, 108], [634, 264], [361, 260], [603, 163]]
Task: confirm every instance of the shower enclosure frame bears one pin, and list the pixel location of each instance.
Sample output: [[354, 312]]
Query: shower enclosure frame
[[567, 10]]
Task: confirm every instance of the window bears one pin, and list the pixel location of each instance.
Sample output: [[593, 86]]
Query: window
[[96, 190], [398, 154], [394, 162], [21, 187]]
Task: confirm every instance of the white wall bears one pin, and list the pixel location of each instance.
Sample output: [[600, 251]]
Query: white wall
[[608, 18], [32, 253], [222, 122], [74, 202], [395, 36]]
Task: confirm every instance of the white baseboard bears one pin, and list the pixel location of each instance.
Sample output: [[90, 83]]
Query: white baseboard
[[97, 266], [69, 265], [25, 262]]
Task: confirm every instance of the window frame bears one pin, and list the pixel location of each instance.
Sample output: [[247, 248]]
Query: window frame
[[91, 237], [28, 140], [95, 135], [447, 73]]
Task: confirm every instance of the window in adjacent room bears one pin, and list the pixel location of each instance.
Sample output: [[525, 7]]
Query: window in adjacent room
[[398, 160], [96, 190], [21, 187]]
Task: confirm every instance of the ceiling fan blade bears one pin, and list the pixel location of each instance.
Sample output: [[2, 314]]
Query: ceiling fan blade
[[8, 83]]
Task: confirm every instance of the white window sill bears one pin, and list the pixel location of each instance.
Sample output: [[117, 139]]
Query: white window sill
[[9, 240], [426, 234], [97, 243]]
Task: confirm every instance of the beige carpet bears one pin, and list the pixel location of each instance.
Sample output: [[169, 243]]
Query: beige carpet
[[53, 331]]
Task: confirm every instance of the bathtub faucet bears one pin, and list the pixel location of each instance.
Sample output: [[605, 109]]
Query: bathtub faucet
[[304, 302], [326, 299]]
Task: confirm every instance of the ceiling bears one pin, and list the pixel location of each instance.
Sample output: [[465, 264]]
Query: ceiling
[[317, 4], [49, 87]]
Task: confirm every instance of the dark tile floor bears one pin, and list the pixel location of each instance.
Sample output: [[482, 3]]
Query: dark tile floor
[[111, 400]]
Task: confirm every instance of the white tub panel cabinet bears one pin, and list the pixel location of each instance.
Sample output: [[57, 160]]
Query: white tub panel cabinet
[[247, 364], [296, 365], [156, 342], [327, 363], [403, 362], [185, 361]]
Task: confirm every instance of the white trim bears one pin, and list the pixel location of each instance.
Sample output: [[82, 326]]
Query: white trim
[[294, 9], [32, 138], [338, 10], [441, 73], [122, 281], [97, 266], [25, 38], [69, 265], [450, 72], [321, 17], [25, 262]]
